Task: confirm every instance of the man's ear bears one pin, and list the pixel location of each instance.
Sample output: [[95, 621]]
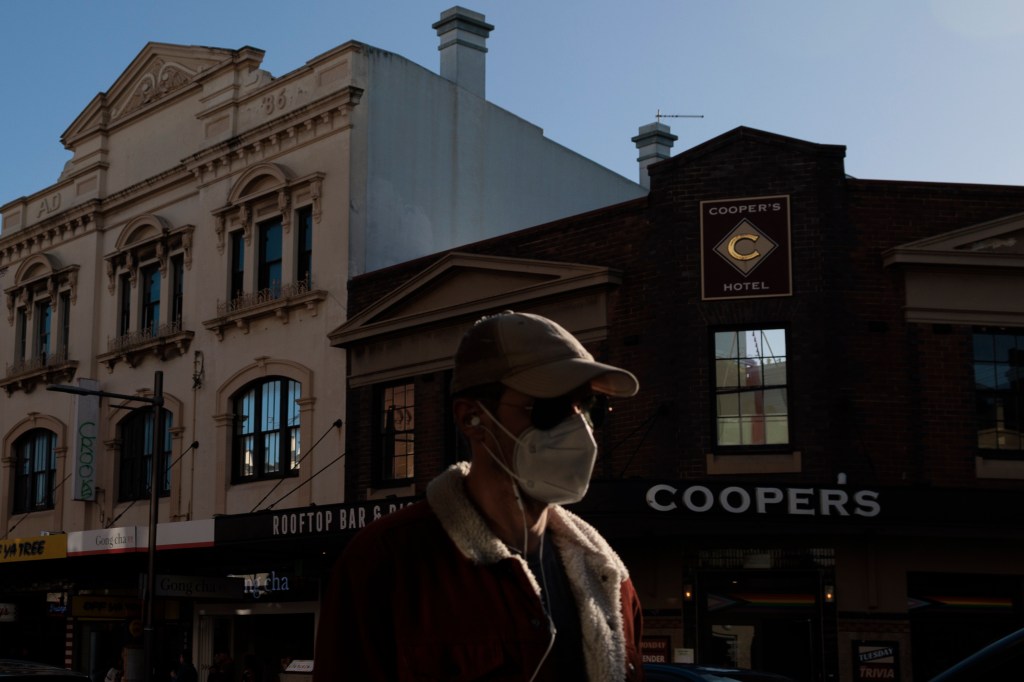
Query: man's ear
[[467, 417]]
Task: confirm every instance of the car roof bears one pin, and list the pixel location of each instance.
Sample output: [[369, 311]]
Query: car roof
[[12, 670], [990, 662], [713, 672]]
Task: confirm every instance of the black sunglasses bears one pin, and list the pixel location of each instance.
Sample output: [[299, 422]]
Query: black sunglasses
[[547, 413]]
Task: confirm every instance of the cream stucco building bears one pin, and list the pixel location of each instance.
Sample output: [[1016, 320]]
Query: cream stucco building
[[204, 232]]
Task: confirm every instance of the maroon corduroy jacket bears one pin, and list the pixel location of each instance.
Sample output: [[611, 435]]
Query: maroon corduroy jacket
[[429, 593]]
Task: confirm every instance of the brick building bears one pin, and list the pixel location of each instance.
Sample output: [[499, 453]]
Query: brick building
[[820, 475]]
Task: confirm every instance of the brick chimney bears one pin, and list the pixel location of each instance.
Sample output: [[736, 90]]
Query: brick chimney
[[654, 142], [463, 48]]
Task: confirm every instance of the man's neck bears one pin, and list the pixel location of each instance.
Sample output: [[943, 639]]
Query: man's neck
[[494, 494]]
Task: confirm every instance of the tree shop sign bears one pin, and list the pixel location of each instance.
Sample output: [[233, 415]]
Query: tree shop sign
[[745, 248], [33, 549], [764, 500]]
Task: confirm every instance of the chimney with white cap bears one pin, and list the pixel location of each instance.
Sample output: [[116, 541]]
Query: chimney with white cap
[[655, 144], [463, 48]]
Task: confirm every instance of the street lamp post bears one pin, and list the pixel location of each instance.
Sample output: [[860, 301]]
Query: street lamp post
[[157, 401]]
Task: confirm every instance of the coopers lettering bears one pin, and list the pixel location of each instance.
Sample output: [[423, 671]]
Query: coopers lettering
[[741, 209], [701, 499]]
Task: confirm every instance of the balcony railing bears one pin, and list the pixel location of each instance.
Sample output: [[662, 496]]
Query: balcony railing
[[25, 373], [164, 341], [142, 337], [256, 299], [277, 301], [38, 362]]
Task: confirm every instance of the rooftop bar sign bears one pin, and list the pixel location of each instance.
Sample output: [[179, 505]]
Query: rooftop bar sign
[[305, 521], [745, 248]]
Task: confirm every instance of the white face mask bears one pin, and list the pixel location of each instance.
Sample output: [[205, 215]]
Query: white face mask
[[553, 466]]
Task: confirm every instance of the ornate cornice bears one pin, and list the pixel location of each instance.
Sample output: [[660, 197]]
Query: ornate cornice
[[330, 113], [43, 236]]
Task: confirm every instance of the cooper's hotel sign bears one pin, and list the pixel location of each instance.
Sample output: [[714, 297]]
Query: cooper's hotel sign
[[745, 248]]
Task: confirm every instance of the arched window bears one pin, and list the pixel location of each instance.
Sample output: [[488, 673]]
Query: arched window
[[35, 471], [135, 472], [267, 442]]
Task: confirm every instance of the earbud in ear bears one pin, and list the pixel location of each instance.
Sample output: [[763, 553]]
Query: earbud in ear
[[474, 420]]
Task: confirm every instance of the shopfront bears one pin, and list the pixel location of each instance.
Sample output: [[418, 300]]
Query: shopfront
[[33, 600], [106, 571], [818, 583], [282, 558]]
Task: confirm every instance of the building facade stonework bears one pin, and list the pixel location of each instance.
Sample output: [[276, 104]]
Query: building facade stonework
[[820, 474], [204, 230]]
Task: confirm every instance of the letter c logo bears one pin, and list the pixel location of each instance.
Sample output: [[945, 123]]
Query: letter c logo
[[741, 256]]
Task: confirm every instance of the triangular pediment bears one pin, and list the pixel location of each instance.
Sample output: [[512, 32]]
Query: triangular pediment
[[752, 137], [465, 286], [160, 71], [996, 243]]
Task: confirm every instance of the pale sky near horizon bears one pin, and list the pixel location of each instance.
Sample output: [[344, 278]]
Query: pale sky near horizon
[[924, 90]]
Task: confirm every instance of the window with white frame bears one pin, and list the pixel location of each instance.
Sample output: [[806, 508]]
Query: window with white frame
[[149, 292], [135, 474], [39, 314], [267, 231], [269, 257], [304, 248], [147, 275], [267, 440], [751, 388], [999, 391], [395, 450], [35, 471]]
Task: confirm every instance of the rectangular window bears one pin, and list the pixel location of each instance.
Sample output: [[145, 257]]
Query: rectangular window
[[237, 283], [149, 280], [397, 433], [270, 253], [999, 390], [65, 323], [294, 442], [751, 396], [177, 289], [35, 471], [44, 321], [305, 250], [124, 319], [21, 340], [136, 472]]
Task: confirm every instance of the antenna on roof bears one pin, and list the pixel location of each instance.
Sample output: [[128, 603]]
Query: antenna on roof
[[660, 116]]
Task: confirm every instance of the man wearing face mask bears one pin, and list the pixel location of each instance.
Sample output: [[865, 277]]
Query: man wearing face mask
[[490, 577]]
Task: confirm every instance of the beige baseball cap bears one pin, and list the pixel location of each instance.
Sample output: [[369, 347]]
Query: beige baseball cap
[[535, 356]]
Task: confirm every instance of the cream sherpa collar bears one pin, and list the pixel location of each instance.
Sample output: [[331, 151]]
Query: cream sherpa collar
[[594, 570]]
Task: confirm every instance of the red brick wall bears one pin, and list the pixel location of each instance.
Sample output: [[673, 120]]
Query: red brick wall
[[871, 396]]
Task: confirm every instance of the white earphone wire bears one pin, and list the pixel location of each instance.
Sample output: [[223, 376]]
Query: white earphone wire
[[526, 538]]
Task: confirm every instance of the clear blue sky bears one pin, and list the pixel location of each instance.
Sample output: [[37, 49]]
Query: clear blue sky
[[915, 89]]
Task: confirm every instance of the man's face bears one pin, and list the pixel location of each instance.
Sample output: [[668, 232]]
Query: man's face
[[518, 411], [514, 410]]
